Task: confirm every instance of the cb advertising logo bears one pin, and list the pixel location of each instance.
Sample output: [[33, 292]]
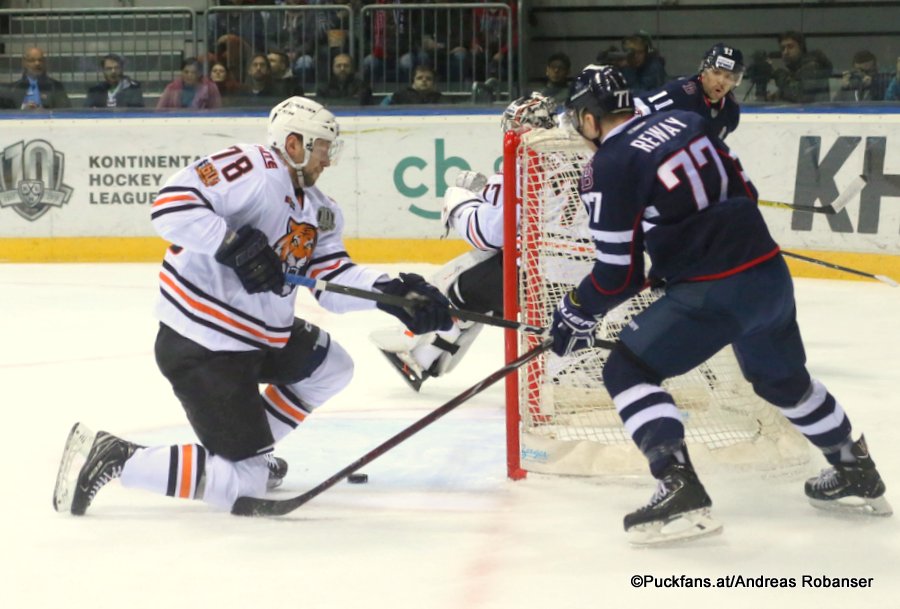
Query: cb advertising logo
[[31, 179]]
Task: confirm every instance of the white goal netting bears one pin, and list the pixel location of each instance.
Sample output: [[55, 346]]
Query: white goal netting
[[568, 423]]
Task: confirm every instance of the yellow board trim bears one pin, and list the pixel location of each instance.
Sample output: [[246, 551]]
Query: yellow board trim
[[435, 251]]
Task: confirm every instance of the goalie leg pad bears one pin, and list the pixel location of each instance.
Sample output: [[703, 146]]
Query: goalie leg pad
[[450, 357], [448, 274]]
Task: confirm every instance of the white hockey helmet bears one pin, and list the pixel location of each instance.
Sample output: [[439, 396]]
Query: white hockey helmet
[[306, 118], [535, 111]]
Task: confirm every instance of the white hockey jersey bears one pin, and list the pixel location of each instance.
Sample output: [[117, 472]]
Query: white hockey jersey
[[482, 225], [202, 299]]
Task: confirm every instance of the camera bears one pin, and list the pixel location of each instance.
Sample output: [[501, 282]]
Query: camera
[[856, 79]]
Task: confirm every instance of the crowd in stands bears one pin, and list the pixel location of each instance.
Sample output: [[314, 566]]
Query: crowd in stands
[[392, 56]]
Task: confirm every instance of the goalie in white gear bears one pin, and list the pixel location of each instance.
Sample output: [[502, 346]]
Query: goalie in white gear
[[240, 219], [473, 207]]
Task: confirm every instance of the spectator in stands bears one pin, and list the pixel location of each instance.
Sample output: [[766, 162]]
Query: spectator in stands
[[893, 90], [557, 72], [230, 90], [863, 82], [804, 77], [235, 53], [282, 77], [36, 89], [247, 25], [344, 86], [260, 88], [191, 89], [116, 90], [490, 50], [389, 33], [643, 67], [440, 38], [421, 91]]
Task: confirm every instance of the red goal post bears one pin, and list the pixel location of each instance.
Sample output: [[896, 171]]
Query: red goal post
[[559, 417]]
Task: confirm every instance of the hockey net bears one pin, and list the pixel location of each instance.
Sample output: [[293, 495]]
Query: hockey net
[[561, 419]]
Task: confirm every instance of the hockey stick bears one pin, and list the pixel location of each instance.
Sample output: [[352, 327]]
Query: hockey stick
[[251, 506], [837, 267], [400, 301], [837, 205]]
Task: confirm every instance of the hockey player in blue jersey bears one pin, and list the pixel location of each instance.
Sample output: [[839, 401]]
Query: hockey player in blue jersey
[[661, 184], [709, 93]]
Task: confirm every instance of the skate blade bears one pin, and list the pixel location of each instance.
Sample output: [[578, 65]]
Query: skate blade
[[409, 374], [688, 526], [858, 506], [77, 447]]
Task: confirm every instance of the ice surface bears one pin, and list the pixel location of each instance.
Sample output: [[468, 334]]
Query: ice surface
[[438, 526]]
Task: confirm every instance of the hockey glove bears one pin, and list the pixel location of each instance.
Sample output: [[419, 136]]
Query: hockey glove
[[572, 329], [427, 309], [471, 180], [257, 265]]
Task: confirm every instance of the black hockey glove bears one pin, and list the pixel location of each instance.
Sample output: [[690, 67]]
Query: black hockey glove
[[428, 308], [257, 265], [572, 329]]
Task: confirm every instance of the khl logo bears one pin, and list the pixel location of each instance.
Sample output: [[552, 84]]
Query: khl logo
[[31, 179]]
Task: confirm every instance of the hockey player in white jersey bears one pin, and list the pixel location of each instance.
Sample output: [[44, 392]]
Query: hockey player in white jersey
[[473, 207], [239, 220]]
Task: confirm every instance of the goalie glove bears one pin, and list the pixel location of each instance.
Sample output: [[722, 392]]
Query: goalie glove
[[428, 309], [457, 199], [572, 328], [471, 180], [257, 265]]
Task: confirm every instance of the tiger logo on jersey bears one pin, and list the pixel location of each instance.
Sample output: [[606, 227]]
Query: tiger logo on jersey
[[297, 246]]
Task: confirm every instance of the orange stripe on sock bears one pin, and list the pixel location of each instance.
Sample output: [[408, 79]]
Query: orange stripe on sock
[[275, 397], [187, 464]]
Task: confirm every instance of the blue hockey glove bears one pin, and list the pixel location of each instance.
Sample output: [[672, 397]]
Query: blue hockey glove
[[572, 329], [257, 265], [428, 309]]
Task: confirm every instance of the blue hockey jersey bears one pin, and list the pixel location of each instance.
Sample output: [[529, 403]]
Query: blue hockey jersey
[[660, 183], [722, 116]]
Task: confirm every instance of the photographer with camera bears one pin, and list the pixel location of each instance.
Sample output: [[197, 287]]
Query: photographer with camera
[[641, 64], [804, 77], [863, 82]]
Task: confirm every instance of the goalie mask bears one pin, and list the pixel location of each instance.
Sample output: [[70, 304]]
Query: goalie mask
[[599, 90], [308, 119], [536, 111], [726, 58]]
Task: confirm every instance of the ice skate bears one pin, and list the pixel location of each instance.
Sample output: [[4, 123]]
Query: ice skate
[[679, 509], [77, 447], [853, 488], [278, 469], [104, 463], [404, 363]]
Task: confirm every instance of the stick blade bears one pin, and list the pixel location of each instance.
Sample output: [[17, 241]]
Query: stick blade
[[854, 188], [887, 280], [255, 507]]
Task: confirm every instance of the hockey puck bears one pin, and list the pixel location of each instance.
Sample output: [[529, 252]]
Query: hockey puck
[[358, 478]]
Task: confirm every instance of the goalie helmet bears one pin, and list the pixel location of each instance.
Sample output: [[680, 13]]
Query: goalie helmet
[[724, 57], [306, 118], [600, 90], [535, 110]]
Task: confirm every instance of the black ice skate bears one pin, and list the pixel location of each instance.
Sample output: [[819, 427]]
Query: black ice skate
[[104, 463], [411, 372], [278, 469], [679, 509], [850, 487]]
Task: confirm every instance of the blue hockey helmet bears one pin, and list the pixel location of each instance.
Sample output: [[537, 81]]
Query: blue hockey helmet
[[600, 90], [724, 57]]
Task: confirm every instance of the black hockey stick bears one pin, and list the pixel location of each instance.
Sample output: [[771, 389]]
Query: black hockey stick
[[406, 303], [251, 506], [834, 207], [837, 267]]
